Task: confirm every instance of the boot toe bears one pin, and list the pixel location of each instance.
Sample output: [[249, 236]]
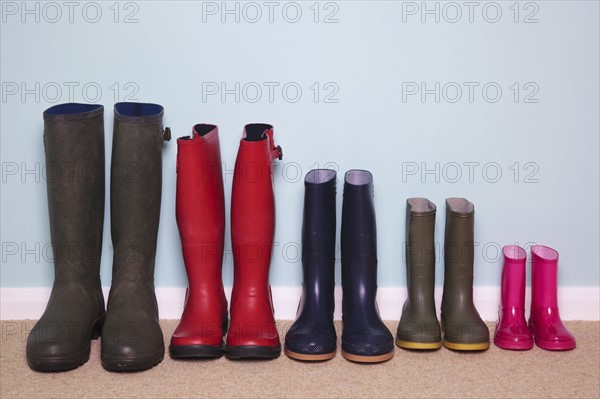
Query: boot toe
[[556, 343], [129, 357], [466, 330], [131, 346], [513, 334], [560, 339], [310, 344], [368, 345], [419, 331], [44, 354], [466, 336], [513, 340], [195, 337]]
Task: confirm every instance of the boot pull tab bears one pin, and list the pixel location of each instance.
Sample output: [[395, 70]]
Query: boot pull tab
[[166, 135], [276, 151]]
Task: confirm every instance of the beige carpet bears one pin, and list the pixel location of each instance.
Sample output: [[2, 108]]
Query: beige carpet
[[443, 373]]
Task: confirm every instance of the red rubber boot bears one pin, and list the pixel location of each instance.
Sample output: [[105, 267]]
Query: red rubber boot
[[544, 321], [200, 209], [253, 334], [511, 331]]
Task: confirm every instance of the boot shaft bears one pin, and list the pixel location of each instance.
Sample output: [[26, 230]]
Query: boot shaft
[[420, 249], [200, 197], [74, 150], [136, 184], [318, 238], [200, 206], [359, 242], [253, 207], [544, 270], [459, 250], [513, 277], [319, 217]]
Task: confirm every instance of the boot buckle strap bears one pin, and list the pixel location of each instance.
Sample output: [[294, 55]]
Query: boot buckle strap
[[276, 151], [166, 135]]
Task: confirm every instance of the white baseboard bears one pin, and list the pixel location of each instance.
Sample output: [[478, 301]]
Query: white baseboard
[[576, 303]]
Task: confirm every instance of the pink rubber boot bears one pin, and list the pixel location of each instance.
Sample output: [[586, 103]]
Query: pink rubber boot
[[511, 331], [544, 322]]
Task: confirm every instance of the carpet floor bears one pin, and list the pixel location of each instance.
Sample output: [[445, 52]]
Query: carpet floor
[[443, 373]]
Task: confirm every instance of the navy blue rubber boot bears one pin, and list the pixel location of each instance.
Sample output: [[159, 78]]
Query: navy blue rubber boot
[[365, 338], [312, 337]]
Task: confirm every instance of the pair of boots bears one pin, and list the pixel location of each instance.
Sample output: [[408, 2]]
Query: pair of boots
[[463, 328], [200, 210], [545, 325], [74, 148], [365, 337]]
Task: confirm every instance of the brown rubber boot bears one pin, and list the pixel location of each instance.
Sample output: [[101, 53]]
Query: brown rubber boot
[[131, 338], [74, 145]]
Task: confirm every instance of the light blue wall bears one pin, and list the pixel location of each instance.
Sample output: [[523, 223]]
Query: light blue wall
[[372, 49]]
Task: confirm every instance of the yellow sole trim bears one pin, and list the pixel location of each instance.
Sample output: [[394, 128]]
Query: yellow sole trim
[[368, 359], [309, 358], [480, 346], [418, 345]]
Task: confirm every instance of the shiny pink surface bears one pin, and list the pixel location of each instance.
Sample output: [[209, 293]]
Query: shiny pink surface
[[544, 321]]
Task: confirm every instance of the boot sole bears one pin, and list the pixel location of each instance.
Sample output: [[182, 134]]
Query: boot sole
[[368, 359], [418, 345], [309, 358], [480, 346], [196, 352], [59, 363], [118, 363], [66, 363], [555, 346], [252, 352]]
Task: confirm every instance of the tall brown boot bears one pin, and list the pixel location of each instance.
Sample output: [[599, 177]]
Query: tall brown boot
[[74, 145]]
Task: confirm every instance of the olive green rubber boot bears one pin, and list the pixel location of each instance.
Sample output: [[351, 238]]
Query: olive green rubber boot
[[132, 339], [463, 328], [74, 149], [419, 327]]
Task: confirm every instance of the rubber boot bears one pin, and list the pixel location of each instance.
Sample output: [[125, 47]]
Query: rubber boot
[[548, 331], [312, 337], [200, 209], [419, 327], [131, 338], [74, 146], [511, 330], [253, 333], [463, 328], [365, 337]]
